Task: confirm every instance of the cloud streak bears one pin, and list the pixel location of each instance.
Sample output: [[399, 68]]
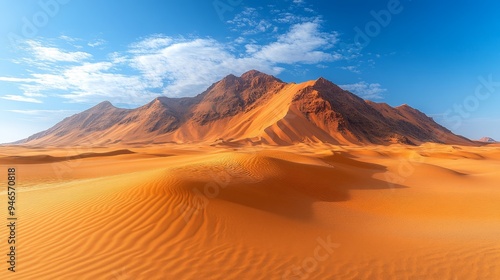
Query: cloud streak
[[39, 112], [51, 54], [21, 98]]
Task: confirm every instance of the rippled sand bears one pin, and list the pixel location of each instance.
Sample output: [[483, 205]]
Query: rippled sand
[[295, 212]]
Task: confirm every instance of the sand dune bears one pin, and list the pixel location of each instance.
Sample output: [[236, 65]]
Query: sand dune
[[307, 211], [41, 159]]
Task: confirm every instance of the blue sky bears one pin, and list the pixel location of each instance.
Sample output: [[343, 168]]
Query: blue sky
[[59, 57]]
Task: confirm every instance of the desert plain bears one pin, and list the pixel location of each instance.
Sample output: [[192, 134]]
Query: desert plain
[[303, 211]]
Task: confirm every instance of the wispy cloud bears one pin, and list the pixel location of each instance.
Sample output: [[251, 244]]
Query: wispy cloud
[[91, 81], [351, 68], [17, 80], [97, 43], [365, 90], [52, 54], [42, 115], [249, 21], [40, 112], [69, 39], [288, 18], [151, 44], [21, 98]]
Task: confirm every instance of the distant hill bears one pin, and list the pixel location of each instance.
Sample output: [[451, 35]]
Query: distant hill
[[487, 140]]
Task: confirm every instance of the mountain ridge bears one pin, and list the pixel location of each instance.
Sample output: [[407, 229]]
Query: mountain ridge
[[253, 106]]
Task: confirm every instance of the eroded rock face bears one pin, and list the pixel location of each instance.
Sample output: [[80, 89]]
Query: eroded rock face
[[233, 95]]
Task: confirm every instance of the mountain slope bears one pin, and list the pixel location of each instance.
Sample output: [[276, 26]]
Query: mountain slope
[[254, 108]]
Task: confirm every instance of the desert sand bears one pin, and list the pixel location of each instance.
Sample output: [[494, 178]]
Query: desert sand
[[305, 211]]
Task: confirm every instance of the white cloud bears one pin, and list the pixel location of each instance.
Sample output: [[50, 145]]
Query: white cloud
[[83, 83], [68, 38], [96, 43], [91, 81], [252, 48], [17, 80], [21, 98], [240, 40], [151, 43], [351, 68], [43, 53], [118, 88], [117, 58], [187, 67], [365, 90], [304, 43], [249, 22], [291, 18], [29, 93]]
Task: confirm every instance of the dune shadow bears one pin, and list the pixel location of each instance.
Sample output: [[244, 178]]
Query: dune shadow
[[344, 158], [40, 159], [161, 155], [296, 186]]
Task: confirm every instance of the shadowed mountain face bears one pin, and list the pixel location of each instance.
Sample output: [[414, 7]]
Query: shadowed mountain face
[[253, 108], [233, 95]]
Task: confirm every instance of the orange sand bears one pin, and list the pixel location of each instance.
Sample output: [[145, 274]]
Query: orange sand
[[296, 212]]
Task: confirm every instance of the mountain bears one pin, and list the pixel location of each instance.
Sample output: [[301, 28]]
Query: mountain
[[487, 140], [254, 108]]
